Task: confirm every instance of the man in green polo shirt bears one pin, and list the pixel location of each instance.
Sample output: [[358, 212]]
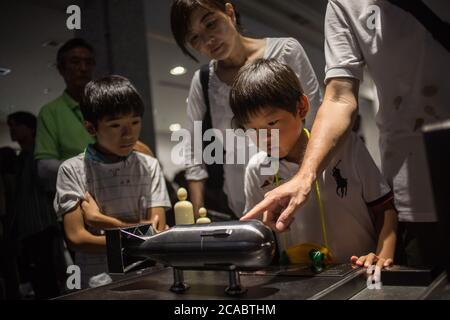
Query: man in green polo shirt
[[60, 132]]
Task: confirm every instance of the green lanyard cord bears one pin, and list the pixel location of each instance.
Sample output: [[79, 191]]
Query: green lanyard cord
[[319, 202]]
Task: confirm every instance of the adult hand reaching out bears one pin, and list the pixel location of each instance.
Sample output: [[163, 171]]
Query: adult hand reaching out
[[279, 205]]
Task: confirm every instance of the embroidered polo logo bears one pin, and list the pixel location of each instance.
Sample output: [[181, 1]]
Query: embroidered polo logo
[[341, 182]]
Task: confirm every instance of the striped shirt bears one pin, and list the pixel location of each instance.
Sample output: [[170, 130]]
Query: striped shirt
[[124, 190]]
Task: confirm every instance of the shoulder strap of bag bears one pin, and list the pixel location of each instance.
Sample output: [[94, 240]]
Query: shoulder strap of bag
[[204, 80]]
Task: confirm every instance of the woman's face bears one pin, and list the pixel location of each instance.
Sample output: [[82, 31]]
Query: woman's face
[[212, 32]]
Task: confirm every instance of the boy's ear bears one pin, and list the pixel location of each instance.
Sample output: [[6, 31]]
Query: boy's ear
[[90, 128], [303, 106], [229, 11]]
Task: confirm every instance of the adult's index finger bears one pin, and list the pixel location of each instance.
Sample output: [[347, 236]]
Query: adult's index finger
[[258, 209]]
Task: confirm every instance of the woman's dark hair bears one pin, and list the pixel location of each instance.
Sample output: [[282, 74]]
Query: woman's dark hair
[[69, 45], [24, 118], [110, 96], [180, 13], [264, 83]]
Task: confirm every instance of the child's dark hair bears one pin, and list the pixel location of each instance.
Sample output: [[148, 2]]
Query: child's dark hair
[[69, 45], [180, 13], [261, 84], [111, 96], [24, 118]]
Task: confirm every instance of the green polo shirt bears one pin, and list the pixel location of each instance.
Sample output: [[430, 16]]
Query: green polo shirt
[[60, 132]]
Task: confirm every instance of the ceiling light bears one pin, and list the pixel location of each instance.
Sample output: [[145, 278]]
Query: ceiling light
[[174, 127], [178, 71]]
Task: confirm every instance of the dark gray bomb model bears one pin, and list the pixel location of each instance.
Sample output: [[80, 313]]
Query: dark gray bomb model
[[230, 246]]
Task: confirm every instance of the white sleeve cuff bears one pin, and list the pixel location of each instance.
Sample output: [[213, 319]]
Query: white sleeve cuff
[[196, 173], [344, 72]]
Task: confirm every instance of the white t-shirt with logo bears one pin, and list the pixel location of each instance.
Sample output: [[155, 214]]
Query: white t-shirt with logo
[[124, 190], [410, 70], [285, 50], [348, 187]]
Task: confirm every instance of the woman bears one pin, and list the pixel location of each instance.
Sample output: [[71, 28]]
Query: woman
[[211, 28]]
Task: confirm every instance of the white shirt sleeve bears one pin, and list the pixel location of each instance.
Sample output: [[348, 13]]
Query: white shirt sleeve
[[196, 109], [159, 196], [375, 189], [252, 185], [69, 188], [342, 53], [295, 56]]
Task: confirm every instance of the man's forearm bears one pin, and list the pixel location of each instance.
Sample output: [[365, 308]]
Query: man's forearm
[[333, 122], [197, 194]]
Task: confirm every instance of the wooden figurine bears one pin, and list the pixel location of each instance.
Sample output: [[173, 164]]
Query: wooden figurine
[[184, 212], [203, 218]]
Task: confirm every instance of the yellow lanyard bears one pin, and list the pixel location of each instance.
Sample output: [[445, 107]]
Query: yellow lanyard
[[319, 202]]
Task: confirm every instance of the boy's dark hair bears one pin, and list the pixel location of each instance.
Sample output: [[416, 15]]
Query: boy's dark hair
[[69, 45], [180, 13], [110, 96], [261, 84], [25, 118]]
